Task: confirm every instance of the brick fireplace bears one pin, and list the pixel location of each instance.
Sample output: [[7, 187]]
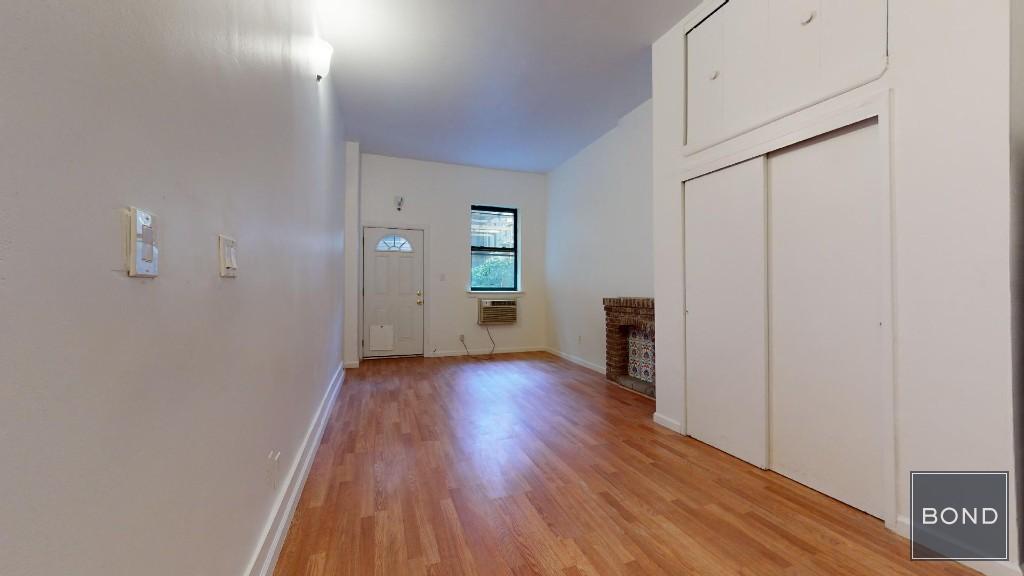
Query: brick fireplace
[[629, 325]]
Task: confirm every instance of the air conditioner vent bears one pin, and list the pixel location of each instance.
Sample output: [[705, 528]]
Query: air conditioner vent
[[491, 312]]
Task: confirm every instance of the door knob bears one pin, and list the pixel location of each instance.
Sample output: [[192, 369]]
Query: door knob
[[419, 292], [420, 302], [715, 74], [808, 18]]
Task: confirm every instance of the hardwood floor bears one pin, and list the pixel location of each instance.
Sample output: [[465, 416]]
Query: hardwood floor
[[527, 464]]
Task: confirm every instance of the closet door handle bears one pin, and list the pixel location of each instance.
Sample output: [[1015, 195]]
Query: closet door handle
[[715, 75], [810, 17]]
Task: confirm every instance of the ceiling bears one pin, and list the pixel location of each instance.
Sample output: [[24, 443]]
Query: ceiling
[[513, 84]]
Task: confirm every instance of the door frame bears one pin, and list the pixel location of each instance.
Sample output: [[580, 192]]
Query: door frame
[[362, 283], [871, 104]]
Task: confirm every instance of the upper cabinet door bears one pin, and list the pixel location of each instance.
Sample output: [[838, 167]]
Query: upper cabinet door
[[704, 79], [794, 28], [770, 58], [854, 44], [745, 62]]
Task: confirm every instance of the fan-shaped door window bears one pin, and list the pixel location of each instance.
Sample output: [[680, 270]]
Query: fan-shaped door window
[[394, 243]]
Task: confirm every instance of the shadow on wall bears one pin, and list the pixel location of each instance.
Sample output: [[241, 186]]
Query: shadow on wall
[[1017, 244]]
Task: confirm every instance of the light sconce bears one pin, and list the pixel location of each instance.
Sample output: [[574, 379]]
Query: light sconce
[[322, 52]]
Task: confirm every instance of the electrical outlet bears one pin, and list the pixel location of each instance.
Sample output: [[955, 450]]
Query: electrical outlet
[[462, 338], [273, 468], [579, 339]]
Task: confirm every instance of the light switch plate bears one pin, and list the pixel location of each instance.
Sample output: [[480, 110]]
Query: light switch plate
[[228, 256], [143, 249]]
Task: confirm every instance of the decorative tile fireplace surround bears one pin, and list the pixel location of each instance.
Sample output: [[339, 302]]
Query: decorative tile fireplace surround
[[629, 323]]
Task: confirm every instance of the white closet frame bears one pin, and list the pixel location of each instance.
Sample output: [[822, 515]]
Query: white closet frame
[[877, 104]]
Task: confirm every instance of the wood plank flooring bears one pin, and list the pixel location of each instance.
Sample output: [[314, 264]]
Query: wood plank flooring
[[527, 464]]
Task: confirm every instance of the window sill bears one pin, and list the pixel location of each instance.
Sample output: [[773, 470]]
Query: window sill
[[485, 293]]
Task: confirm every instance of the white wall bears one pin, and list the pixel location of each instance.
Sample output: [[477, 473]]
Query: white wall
[[951, 201], [136, 415], [599, 235], [438, 198], [668, 78]]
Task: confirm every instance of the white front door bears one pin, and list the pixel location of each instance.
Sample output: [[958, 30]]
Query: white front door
[[392, 292]]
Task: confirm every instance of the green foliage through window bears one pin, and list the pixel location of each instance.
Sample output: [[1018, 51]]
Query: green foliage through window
[[495, 256]]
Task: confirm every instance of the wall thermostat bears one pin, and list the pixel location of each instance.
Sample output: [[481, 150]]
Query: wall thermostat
[[143, 252]]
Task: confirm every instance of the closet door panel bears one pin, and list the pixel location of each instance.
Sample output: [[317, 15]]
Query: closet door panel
[[745, 64], [829, 288], [794, 28], [704, 77], [753, 61], [726, 310], [853, 46]]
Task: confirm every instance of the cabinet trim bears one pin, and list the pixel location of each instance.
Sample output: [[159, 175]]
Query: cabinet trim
[[875, 104]]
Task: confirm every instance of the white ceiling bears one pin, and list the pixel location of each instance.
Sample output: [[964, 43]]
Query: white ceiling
[[515, 84]]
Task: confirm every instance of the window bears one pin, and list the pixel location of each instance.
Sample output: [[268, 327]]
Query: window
[[394, 243], [495, 256]]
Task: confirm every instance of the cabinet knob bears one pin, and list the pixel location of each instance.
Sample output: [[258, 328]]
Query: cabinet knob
[[807, 19], [714, 75]]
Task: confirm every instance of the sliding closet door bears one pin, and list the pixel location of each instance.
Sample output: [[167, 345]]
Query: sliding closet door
[[725, 310], [830, 315]]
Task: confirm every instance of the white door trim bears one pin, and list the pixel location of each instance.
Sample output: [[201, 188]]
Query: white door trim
[[362, 281]]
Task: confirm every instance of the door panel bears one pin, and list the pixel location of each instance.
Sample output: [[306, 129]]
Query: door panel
[[795, 30], [406, 271], [744, 64], [853, 44], [829, 288], [704, 81], [726, 395], [393, 294], [380, 274]]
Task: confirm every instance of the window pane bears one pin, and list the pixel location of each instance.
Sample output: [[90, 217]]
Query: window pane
[[394, 244], [493, 229], [493, 270]]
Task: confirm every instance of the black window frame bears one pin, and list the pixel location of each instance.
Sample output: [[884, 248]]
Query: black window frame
[[491, 250]]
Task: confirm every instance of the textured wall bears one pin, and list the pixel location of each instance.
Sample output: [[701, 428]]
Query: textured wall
[[136, 415]]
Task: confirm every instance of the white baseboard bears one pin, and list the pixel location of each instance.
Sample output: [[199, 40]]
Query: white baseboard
[[660, 419], [670, 423], [351, 364], [577, 360], [265, 556], [484, 351], [995, 568]]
